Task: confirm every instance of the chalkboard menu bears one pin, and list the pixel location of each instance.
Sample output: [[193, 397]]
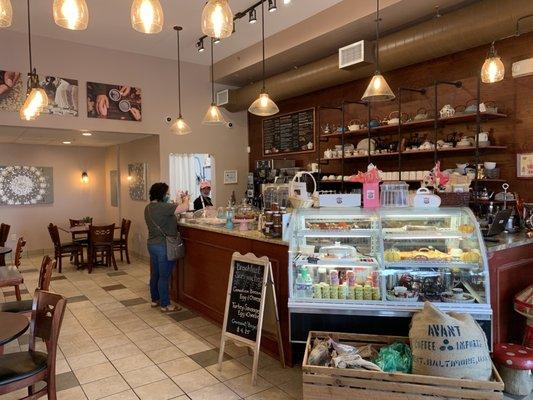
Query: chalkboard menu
[[289, 133], [245, 299]]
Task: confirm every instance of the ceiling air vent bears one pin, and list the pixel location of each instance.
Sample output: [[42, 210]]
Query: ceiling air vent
[[355, 54], [222, 97]]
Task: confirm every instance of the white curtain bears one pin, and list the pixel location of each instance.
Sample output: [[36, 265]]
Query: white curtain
[[183, 175]]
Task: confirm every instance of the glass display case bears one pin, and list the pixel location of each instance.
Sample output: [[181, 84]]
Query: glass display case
[[387, 261]]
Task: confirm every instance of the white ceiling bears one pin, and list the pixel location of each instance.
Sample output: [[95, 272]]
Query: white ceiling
[[43, 136], [109, 26]]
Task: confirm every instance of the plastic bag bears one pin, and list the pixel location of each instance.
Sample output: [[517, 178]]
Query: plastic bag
[[396, 357]]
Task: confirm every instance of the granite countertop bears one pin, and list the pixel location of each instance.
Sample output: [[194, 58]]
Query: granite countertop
[[507, 241], [254, 235]]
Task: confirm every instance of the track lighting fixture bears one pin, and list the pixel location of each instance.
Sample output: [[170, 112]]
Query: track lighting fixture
[[272, 5], [216, 40], [252, 16], [200, 46]]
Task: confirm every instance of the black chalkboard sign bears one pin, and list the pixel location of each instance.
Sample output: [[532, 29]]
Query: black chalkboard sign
[[245, 299], [249, 277], [289, 133]]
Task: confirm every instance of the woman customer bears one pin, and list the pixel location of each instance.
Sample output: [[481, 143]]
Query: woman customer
[[160, 217]]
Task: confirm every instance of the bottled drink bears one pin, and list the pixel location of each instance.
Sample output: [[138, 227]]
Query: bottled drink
[[299, 287]]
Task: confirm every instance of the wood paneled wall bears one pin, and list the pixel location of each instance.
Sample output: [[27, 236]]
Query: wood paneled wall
[[513, 96]]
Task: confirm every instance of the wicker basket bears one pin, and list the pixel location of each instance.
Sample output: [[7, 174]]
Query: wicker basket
[[327, 383], [461, 199]]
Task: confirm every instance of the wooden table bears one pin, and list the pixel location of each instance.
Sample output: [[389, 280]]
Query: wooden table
[[11, 276], [11, 327]]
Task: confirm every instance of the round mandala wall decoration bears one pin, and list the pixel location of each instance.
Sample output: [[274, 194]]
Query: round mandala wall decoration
[[25, 185]]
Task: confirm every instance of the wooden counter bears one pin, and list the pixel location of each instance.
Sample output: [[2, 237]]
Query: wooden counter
[[511, 270], [202, 277]]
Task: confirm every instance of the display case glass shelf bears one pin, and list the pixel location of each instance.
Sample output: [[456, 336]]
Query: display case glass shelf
[[388, 260]]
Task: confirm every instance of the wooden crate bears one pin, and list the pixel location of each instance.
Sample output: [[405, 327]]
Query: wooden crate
[[320, 383]]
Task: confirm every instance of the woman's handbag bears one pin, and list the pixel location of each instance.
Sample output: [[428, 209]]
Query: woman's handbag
[[175, 245]]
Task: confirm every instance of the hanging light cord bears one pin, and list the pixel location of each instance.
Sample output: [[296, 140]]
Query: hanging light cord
[[212, 76], [29, 37], [263, 36], [377, 36], [179, 71]]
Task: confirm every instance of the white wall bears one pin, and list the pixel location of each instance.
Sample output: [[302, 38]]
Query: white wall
[[157, 79], [72, 198]]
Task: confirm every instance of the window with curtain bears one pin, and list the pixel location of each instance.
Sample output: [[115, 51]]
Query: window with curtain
[[187, 171]]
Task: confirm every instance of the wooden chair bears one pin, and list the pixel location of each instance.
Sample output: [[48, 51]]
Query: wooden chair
[[101, 242], [18, 251], [121, 244], [4, 235], [64, 249], [26, 368], [79, 237], [45, 275]]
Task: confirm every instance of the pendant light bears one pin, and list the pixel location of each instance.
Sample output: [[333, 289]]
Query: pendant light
[[493, 69], [179, 127], [37, 99], [71, 14], [378, 89], [264, 106], [213, 116], [6, 13], [217, 19], [147, 16]]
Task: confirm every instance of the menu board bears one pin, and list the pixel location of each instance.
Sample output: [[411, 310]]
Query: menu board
[[289, 133], [245, 299]]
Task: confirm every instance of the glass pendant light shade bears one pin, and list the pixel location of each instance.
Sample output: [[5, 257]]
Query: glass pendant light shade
[[493, 69], [6, 13], [180, 127], [217, 19], [147, 16], [71, 14], [35, 102], [264, 106], [213, 116], [378, 90]]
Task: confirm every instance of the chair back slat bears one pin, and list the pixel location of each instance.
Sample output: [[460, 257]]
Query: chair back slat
[[46, 318], [54, 235], [18, 251], [4, 233], [101, 234], [76, 222], [45, 273]]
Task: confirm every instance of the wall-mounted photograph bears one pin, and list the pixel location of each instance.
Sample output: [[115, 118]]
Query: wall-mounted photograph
[[12, 91], [62, 96], [114, 102], [26, 185]]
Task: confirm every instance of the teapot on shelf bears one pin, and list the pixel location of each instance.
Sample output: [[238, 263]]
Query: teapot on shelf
[[421, 114], [447, 111]]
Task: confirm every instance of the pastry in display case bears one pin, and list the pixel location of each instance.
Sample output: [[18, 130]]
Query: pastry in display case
[[387, 260]]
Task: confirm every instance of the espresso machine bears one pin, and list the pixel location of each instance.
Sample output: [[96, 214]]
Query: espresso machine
[[270, 172]]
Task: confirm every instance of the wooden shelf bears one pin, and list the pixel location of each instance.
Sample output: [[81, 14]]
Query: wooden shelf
[[490, 180], [418, 152], [413, 125]]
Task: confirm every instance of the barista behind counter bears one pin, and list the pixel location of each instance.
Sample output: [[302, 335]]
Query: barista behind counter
[[203, 201]]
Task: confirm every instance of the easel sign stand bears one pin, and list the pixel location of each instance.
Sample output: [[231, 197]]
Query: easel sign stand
[[249, 279]]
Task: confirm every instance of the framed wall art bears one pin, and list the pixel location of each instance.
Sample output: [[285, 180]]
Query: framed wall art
[[137, 181], [114, 102], [62, 96], [524, 165], [114, 187], [26, 185], [12, 91], [230, 177]]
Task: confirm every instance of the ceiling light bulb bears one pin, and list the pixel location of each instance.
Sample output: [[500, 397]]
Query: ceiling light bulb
[[272, 5], [252, 17], [147, 16], [6, 13], [264, 106], [87, 134], [84, 177], [217, 19], [493, 69], [35, 102], [71, 14], [378, 90], [213, 116], [66, 142], [286, 2], [180, 127]]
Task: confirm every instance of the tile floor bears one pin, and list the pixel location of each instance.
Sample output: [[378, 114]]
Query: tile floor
[[114, 346]]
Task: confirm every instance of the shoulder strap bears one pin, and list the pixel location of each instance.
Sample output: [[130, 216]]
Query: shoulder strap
[[153, 222]]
